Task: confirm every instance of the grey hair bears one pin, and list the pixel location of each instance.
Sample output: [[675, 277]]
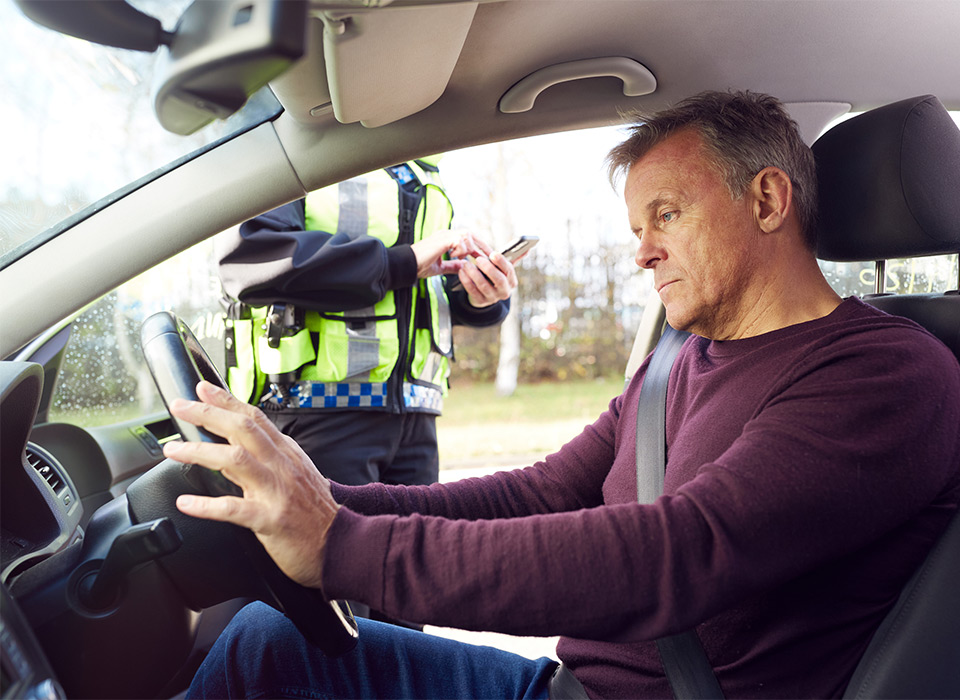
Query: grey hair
[[743, 133]]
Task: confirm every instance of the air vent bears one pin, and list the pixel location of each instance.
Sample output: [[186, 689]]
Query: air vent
[[44, 468]]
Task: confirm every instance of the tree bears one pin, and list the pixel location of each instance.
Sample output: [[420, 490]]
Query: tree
[[509, 361]]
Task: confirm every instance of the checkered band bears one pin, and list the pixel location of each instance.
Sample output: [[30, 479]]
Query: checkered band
[[423, 398], [327, 395]]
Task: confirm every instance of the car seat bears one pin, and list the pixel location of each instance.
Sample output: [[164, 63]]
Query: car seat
[[890, 188]]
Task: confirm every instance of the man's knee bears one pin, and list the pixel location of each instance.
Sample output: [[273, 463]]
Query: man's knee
[[256, 632]]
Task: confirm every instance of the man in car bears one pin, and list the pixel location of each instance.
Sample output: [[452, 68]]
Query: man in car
[[813, 459]]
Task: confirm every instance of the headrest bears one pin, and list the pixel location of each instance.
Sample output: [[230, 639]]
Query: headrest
[[889, 183]]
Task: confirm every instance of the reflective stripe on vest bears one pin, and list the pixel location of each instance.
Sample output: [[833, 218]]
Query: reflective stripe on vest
[[354, 218], [363, 346], [441, 321]]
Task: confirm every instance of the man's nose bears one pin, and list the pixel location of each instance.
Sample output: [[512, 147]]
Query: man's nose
[[649, 252]]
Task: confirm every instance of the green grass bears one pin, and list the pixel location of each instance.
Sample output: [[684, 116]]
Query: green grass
[[479, 428], [531, 403]]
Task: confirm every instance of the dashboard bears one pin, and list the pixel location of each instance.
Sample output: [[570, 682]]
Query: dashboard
[[85, 613], [41, 507], [40, 515], [107, 590]]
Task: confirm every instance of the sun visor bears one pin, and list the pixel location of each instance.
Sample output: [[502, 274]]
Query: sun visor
[[388, 63]]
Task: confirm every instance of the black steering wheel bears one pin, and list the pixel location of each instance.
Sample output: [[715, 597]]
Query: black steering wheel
[[178, 362]]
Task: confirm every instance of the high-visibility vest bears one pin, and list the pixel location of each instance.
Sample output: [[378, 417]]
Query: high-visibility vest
[[393, 356]]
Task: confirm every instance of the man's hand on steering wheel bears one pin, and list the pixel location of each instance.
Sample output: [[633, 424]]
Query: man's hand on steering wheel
[[286, 502]]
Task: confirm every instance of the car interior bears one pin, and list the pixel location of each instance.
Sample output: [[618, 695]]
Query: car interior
[[107, 591]]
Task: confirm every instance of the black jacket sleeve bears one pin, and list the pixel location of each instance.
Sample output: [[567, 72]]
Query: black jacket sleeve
[[273, 259], [463, 314]]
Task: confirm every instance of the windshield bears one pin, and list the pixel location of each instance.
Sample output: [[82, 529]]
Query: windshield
[[77, 126]]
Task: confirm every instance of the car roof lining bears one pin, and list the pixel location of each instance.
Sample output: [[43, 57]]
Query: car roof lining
[[675, 40], [850, 32]]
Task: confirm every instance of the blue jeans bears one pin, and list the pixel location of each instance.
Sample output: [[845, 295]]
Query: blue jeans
[[261, 655]]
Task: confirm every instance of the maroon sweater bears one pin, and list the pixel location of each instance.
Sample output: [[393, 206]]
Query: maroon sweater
[[809, 471]]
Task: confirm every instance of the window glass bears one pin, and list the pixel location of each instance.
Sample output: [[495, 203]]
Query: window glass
[[580, 299], [104, 378], [78, 122], [905, 276], [581, 295]]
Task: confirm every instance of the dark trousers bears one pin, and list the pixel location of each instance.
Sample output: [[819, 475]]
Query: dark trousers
[[363, 447], [262, 655]]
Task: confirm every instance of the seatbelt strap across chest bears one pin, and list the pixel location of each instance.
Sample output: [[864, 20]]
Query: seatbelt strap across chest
[[684, 661]]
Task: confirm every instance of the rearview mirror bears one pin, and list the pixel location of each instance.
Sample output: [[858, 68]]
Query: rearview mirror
[[223, 52], [108, 22]]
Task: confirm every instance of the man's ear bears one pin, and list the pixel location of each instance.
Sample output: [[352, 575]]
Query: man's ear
[[773, 198]]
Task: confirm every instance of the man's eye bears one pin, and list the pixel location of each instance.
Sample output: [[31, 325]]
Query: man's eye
[[668, 216]]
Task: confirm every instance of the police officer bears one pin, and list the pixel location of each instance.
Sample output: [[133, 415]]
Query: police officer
[[341, 319]]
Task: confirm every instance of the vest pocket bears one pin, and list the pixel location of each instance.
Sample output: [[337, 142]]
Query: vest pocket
[[293, 353], [355, 353]]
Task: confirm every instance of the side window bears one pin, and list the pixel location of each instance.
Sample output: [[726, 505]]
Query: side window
[[906, 276], [104, 378]]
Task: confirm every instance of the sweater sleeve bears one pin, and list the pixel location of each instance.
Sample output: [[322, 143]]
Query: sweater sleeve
[[570, 479], [272, 258]]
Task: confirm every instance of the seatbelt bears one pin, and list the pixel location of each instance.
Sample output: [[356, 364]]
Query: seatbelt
[[684, 661], [652, 416]]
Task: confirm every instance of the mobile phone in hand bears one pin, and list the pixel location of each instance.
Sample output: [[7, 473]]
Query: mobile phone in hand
[[519, 247], [512, 252]]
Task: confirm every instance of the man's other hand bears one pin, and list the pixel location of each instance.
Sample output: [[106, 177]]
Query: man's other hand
[[286, 502]]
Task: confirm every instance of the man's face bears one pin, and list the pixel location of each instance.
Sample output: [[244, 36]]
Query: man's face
[[701, 244]]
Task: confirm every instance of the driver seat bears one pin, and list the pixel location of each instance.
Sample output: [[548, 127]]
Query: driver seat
[[890, 188]]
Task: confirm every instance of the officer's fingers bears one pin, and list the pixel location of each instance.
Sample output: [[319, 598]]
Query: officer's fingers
[[474, 274], [500, 275], [478, 288], [507, 268], [481, 245], [450, 267], [428, 252]]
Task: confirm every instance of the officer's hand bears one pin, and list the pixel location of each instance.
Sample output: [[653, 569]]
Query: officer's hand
[[286, 501], [454, 243], [489, 277]]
